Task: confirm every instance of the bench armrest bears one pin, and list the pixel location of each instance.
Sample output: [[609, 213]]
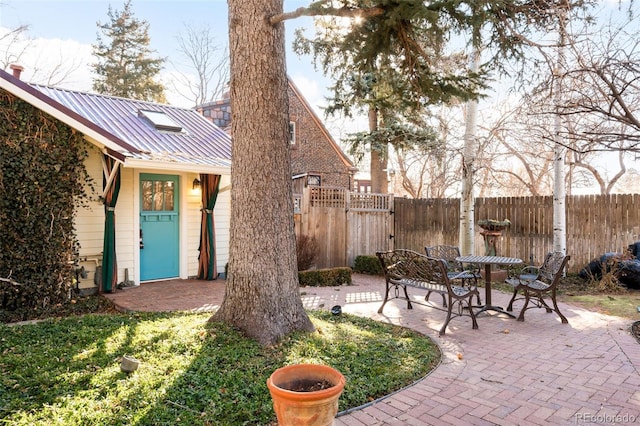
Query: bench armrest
[[529, 270]]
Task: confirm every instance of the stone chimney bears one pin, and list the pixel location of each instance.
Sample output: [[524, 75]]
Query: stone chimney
[[17, 70]]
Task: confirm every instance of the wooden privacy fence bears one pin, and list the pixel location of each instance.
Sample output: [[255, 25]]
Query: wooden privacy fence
[[345, 224], [595, 224]]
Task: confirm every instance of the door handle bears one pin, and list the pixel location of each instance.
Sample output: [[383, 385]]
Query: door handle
[[141, 242]]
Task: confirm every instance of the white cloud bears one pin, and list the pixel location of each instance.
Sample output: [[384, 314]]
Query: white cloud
[[64, 63]]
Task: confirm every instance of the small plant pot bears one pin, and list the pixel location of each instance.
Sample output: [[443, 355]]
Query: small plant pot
[[129, 364], [297, 403]]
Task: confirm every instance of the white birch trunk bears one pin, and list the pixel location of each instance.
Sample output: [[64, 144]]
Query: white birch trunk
[[559, 193], [560, 151], [467, 200]]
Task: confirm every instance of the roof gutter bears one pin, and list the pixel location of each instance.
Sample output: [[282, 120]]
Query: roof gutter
[[177, 167]]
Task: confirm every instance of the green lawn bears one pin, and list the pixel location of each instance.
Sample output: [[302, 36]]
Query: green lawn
[[67, 371]]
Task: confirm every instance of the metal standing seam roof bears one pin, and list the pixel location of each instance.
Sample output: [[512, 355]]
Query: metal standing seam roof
[[200, 141]]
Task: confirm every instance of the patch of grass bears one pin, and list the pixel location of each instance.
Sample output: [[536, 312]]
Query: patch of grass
[[622, 305], [605, 295], [66, 371]]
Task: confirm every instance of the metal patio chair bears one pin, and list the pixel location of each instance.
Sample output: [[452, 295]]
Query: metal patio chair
[[467, 275], [537, 282]]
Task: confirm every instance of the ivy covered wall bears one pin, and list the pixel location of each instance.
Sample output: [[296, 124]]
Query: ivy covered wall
[[42, 180]]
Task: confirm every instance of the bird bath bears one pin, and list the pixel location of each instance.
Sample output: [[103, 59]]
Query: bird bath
[[492, 231]]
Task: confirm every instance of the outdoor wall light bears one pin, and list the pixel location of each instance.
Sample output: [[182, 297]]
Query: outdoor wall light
[[196, 184]]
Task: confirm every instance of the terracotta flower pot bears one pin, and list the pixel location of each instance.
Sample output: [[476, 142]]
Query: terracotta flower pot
[[294, 406]]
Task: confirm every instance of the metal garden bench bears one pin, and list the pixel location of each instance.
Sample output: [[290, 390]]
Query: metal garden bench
[[406, 268]]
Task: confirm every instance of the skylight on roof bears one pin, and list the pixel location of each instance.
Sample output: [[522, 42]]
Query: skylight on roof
[[161, 121]]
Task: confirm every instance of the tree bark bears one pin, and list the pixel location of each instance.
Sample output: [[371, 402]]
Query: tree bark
[[378, 164], [262, 297]]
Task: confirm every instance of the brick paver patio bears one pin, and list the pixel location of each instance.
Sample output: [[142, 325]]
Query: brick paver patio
[[537, 372]]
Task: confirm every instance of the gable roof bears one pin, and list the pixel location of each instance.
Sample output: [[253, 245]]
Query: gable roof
[[346, 160], [118, 126], [224, 119]]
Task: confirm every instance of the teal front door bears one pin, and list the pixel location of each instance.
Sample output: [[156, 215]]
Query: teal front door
[[159, 230]]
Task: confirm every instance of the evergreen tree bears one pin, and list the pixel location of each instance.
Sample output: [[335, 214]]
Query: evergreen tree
[[262, 295], [392, 69], [125, 66]]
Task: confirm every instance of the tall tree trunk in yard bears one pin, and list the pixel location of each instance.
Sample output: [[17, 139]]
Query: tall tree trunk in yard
[[467, 201], [559, 151], [261, 296], [378, 165]]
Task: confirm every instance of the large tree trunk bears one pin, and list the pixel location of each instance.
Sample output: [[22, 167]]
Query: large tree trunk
[[262, 296], [378, 165]]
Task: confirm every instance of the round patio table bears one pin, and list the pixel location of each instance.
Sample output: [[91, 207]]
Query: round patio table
[[487, 261]]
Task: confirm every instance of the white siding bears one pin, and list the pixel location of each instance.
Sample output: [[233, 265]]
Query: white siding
[[192, 213], [127, 227], [90, 223], [221, 217]]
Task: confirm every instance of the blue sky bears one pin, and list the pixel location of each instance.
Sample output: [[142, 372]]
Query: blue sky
[[75, 20]]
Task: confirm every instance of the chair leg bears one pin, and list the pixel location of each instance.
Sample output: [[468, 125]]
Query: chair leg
[[386, 298], [444, 301], [526, 303], [544, 304], [406, 295], [446, 322], [475, 284], [555, 306], [510, 306], [473, 316]]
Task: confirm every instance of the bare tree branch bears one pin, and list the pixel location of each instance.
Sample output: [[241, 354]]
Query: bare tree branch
[[209, 61], [13, 44], [317, 9]]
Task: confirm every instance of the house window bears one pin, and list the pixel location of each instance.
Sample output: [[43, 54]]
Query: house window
[[292, 133], [313, 180], [160, 120], [157, 195]]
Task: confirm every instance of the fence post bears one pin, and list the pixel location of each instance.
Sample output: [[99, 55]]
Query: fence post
[[391, 221], [348, 249], [304, 210]]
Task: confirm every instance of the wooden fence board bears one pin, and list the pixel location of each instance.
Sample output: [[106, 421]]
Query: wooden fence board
[[347, 225], [344, 224], [596, 224]]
